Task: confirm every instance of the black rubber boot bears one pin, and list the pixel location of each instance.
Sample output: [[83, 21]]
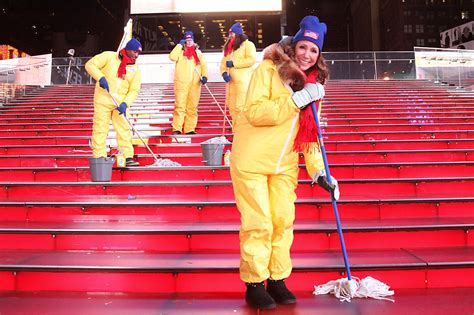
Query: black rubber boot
[[279, 292], [257, 297], [130, 162]]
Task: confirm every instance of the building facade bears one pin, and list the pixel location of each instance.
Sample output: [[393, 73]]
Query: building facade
[[399, 25], [408, 23]]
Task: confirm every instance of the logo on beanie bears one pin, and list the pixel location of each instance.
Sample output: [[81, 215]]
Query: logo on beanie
[[188, 36], [311, 34]]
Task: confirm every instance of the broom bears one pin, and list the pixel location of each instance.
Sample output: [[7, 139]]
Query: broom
[[346, 288]]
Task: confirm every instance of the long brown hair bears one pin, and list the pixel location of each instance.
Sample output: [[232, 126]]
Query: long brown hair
[[239, 39], [320, 66]]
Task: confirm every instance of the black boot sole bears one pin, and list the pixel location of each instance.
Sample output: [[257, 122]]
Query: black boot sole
[[286, 302], [282, 301], [264, 307]]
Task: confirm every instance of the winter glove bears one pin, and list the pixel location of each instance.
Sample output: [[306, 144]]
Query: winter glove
[[286, 41], [182, 42], [310, 92], [226, 77], [322, 181], [104, 84], [229, 63], [203, 79], [122, 108]]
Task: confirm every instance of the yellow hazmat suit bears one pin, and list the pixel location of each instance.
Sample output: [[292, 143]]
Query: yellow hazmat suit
[[125, 90], [243, 58], [187, 88], [264, 170]]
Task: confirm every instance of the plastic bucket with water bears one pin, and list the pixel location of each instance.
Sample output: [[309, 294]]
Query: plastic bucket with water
[[101, 168], [212, 153]]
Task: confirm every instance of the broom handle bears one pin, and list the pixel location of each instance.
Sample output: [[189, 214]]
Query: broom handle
[[226, 101], [138, 134], [225, 117], [215, 101], [226, 98], [133, 128], [334, 204]]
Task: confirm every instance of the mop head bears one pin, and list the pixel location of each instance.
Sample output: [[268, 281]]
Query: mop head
[[218, 140], [165, 163], [345, 289]]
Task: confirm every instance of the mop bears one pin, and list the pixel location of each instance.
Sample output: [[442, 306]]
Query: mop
[[222, 139], [347, 288], [158, 161]]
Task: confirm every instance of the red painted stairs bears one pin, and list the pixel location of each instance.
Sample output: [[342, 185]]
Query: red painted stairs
[[403, 152]]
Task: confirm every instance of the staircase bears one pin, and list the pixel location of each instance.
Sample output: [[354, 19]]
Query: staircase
[[402, 151]]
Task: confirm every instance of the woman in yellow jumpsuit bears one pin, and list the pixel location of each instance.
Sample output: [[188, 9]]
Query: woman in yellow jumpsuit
[[117, 74], [190, 73], [274, 125], [236, 68]]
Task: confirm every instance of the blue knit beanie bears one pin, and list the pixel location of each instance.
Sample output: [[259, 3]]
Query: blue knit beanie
[[134, 45], [189, 34], [237, 28], [311, 30]]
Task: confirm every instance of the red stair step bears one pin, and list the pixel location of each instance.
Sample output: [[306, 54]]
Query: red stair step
[[152, 209], [211, 190], [341, 170], [37, 270], [194, 236], [408, 301]]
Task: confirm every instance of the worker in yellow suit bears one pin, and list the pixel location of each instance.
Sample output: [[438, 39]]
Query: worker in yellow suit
[[275, 125], [190, 73], [236, 68], [117, 74]]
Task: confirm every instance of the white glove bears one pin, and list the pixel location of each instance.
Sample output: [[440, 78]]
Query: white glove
[[322, 181], [310, 92]]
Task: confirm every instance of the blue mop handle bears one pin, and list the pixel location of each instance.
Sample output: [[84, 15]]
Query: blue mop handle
[[334, 204]]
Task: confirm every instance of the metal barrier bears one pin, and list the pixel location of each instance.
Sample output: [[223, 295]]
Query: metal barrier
[[452, 66]]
